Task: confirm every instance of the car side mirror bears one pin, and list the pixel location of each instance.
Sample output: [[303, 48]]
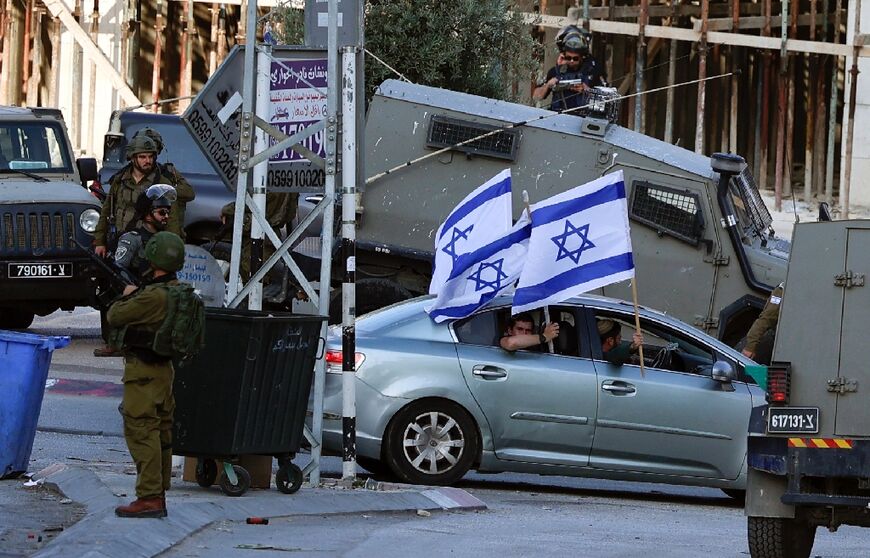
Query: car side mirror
[[723, 372], [87, 169]]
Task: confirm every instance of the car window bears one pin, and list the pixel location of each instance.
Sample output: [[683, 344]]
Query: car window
[[488, 327], [33, 146], [180, 148], [663, 347]]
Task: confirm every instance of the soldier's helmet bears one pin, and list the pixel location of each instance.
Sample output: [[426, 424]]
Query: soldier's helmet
[[154, 135], [157, 195], [573, 39], [165, 250], [141, 144]]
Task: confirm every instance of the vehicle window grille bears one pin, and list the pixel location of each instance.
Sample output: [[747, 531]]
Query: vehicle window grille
[[58, 230], [70, 231], [45, 226], [668, 210], [447, 132], [755, 205], [21, 232]]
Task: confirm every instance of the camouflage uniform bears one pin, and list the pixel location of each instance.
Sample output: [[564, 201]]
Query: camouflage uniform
[[121, 199], [130, 253], [766, 321], [280, 211], [148, 403]]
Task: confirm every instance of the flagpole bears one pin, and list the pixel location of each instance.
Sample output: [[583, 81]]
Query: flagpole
[[546, 308], [637, 323]]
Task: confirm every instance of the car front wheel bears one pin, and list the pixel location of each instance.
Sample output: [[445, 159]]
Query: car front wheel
[[431, 441]]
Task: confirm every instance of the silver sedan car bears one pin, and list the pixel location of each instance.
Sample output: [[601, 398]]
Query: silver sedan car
[[436, 400]]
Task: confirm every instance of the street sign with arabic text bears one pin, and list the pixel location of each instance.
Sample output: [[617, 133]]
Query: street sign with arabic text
[[297, 100]]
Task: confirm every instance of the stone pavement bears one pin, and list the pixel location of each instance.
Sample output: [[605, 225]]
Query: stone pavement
[[192, 508]]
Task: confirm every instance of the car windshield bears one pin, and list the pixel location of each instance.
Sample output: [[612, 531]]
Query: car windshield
[[33, 147], [749, 208]]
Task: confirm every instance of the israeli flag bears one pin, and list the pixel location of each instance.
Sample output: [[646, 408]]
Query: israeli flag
[[580, 242], [480, 276], [483, 216]]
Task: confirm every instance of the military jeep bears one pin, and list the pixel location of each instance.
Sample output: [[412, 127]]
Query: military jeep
[[44, 204], [808, 450]]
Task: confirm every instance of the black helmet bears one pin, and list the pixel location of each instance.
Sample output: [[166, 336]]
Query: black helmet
[[165, 250], [140, 144], [157, 195], [573, 39], [153, 135]]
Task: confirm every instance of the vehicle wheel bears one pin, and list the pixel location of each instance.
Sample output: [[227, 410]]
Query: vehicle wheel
[[236, 489], [371, 295], [737, 495], [289, 478], [13, 318], [374, 466], [779, 537], [206, 472], [431, 441]]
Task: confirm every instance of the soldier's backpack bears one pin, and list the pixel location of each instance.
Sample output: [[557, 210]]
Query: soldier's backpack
[[182, 333]]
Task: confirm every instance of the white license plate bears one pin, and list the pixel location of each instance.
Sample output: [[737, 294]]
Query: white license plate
[[793, 420], [40, 270]]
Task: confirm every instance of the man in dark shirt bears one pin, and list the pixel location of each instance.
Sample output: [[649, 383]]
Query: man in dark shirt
[[520, 333], [575, 62], [613, 348]]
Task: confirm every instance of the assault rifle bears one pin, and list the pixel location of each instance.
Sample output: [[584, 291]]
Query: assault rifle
[[117, 275]]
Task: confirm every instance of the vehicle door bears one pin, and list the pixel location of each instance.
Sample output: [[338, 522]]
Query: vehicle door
[[674, 243], [852, 413], [539, 406], [672, 418]]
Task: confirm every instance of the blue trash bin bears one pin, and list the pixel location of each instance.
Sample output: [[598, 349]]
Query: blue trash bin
[[24, 361]]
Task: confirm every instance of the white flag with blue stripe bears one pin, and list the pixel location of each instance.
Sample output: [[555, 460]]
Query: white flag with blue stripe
[[483, 216], [480, 276], [580, 242]]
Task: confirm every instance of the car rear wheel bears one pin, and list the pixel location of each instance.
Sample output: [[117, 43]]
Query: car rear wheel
[[431, 441], [780, 537]]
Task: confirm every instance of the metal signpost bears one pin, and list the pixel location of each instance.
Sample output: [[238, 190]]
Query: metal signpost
[[268, 120]]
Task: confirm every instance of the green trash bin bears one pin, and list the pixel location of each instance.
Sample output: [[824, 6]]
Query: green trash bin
[[246, 392]]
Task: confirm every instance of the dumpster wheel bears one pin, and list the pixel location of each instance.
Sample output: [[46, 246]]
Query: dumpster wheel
[[206, 472], [289, 478], [244, 482]]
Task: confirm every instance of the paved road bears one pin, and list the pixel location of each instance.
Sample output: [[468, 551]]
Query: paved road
[[527, 515]]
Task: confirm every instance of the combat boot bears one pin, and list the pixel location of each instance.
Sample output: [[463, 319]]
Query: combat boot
[[143, 507]]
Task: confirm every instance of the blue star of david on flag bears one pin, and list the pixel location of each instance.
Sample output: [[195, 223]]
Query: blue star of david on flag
[[562, 239], [450, 248], [491, 280]]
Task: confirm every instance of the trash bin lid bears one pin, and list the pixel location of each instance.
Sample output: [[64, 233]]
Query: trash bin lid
[[50, 342]]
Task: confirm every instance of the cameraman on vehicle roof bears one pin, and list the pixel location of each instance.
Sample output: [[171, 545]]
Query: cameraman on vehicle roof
[[575, 62]]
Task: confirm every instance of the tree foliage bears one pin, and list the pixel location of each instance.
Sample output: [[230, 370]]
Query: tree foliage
[[473, 46]]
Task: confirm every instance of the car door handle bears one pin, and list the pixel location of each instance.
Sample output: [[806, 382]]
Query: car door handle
[[617, 387], [488, 372]]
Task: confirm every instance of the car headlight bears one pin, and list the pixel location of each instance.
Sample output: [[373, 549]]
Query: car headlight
[[88, 220]]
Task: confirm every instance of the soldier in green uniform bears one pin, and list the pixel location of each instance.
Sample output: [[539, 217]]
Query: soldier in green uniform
[[759, 339], [148, 403], [119, 207]]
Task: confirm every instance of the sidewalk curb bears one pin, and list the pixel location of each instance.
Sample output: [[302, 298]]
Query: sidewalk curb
[[103, 535]]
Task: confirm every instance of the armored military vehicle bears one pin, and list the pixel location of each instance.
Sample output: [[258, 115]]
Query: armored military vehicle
[[808, 451], [703, 247], [44, 205]]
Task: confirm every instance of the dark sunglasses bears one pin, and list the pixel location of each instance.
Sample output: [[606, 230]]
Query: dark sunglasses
[[571, 58], [163, 212]]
